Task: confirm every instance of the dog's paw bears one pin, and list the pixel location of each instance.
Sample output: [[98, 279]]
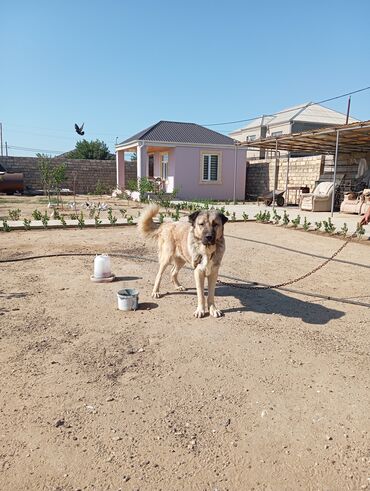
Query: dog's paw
[[199, 313], [180, 288], [215, 312], [156, 295]]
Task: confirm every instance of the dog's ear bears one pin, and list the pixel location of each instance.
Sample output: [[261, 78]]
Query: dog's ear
[[193, 217], [223, 218]]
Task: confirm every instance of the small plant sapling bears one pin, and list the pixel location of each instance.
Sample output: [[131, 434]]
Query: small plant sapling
[[306, 224], [97, 220], [123, 212], [80, 220], [328, 226], [296, 221], [27, 224], [5, 227], [14, 214], [344, 230], [245, 216], [62, 221], [318, 225], [233, 216], [74, 216], [37, 215], [286, 219], [360, 231], [275, 217], [161, 217], [112, 219], [45, 219], [130, 219]]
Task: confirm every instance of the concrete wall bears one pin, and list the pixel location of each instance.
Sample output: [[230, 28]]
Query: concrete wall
[[89, 172]]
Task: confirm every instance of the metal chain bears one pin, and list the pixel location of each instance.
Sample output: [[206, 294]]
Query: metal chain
[[290, 282]]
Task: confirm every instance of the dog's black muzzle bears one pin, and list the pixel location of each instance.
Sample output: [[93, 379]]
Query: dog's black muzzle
[[209, 240]]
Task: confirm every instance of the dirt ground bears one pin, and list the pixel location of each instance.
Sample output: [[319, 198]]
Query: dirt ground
[[272, 396]]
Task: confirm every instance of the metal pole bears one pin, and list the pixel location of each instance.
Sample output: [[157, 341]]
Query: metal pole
[[1, 139], [348, 108], [287, 178], [275, 174], [6, 149], [335, 173], [235, 167]]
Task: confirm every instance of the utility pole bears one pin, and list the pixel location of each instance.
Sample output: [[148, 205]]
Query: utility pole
[[1, 139], [348, 109], [6, 149]]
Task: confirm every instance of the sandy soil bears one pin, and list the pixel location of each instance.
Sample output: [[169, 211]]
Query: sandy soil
[[273, 396]]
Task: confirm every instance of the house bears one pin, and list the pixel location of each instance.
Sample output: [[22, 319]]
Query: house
[[197, 162], [295, 119]]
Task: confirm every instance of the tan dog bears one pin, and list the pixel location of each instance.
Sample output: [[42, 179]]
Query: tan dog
[[199, 242]]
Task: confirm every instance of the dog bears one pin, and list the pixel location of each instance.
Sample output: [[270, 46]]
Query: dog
[[199, 242]]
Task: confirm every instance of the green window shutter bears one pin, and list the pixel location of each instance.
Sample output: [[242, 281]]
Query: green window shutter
[[214, 168]]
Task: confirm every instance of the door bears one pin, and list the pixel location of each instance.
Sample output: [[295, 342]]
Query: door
[[151, 166]]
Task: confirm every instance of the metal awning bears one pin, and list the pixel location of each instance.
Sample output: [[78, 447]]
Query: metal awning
[[354, 137]]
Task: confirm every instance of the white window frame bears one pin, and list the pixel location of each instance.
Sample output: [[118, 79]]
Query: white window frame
[[276, 133], [250, 138], [219, 167]]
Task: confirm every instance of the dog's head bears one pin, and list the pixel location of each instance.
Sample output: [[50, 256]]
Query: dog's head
[[208, 226]]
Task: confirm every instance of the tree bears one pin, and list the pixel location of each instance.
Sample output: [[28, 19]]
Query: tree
[[46, 171], [91, 150], [59, 173]]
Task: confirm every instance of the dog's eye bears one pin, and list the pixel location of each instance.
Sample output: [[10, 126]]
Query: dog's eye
[[201, 224]]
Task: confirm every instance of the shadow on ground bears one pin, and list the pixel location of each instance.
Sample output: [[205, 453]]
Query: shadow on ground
[[275, 302]]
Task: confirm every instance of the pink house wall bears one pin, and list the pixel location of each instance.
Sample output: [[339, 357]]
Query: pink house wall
[[187, 174]]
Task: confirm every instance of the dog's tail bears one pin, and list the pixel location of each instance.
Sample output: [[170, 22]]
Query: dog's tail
[[145, 223]]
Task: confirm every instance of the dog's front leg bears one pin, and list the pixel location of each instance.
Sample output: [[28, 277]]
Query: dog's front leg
[[212, 279], [199, 275]]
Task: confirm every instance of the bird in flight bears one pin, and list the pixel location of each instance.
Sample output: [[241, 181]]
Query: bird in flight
[[79, 129]]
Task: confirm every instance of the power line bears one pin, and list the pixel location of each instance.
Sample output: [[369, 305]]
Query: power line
[[289, 110], [26, 149]]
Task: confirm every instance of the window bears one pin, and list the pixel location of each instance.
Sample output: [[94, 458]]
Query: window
[[210, 171], [250, 138], [276, 133], [164, 165]]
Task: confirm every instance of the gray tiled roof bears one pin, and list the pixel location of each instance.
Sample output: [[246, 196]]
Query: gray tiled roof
[[172, 131]]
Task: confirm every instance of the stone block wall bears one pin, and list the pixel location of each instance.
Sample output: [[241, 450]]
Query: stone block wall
[[89, 172], [303, 171]]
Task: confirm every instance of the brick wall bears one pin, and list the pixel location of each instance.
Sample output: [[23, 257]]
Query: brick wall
[[303, 171]]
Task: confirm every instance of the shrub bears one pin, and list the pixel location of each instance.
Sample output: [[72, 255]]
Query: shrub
[[306, 224], [130, 219], [14, 214], [245, 216], [80, 220], [296, 221], [360, 231], [318, 225], [27, 224], [37, 215], [344, 230], [286, 219], [45, 219], [328, 226], [112, 219], [275, 217], [97, 220], [6, 227]]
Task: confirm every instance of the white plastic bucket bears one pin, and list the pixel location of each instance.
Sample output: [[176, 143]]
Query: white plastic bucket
[[128, 299]]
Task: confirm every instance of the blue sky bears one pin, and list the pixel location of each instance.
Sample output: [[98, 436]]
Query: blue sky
[[119, 66]]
